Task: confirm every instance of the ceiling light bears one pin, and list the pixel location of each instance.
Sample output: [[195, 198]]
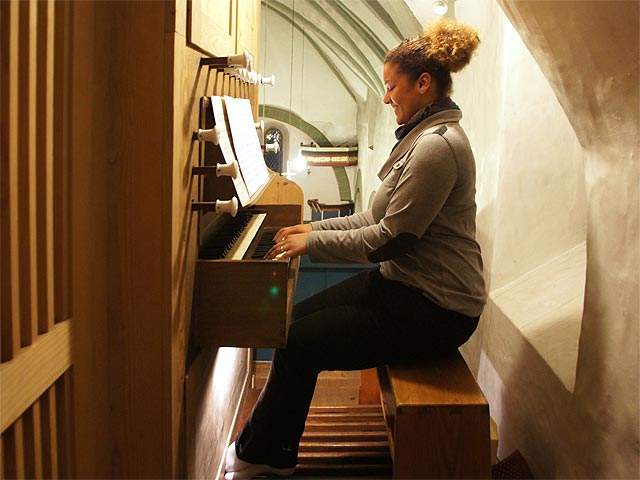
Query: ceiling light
[[440, 7]]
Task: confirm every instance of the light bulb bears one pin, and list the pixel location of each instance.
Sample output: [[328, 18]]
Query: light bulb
[[299, 164], [440, 7]]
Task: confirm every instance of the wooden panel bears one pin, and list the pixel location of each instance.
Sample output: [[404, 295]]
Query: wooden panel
[[214, 387], [369, 387], [283, 191], [442, 442], [90, 156], [10, 321], [42, 364], [257, 315], [248, 37], [211, 26], [139, 225]]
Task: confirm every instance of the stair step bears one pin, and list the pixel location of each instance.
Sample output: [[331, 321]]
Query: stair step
[[344, 471], [345, 417], [312, 426], [333, 446], [347, 408], [344, 458], [345, 436]]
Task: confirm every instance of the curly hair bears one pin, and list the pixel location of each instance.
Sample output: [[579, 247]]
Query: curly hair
[[446, 46]]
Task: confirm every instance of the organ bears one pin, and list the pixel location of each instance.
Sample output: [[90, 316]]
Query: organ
[[240, 299]]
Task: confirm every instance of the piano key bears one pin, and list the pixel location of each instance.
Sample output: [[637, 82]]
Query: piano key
[[245, 237]]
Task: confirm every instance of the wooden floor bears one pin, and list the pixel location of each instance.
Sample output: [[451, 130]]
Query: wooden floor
[[339, 441]]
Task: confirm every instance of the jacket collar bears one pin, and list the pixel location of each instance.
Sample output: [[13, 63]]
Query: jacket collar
[[428, 125]]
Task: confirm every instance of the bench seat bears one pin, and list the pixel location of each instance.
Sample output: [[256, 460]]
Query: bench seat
[[437, 420]]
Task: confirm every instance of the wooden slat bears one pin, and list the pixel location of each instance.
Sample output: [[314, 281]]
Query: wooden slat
[[18, 448], [37, 439], [49, 169], [64, 419], [32, 442], [24, 148], [47, 359], [61, 152], [28, 443], [40, 164], [3, 474], [32, 218], [49, 433], [9, 265]]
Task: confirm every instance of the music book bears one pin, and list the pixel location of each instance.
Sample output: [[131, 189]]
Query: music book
[[246, 143], [227, 150]]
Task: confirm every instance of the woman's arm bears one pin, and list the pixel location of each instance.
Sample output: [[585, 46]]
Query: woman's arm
[[350, 222], [421, 190]]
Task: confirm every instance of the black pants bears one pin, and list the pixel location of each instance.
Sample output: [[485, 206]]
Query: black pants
[[363, 322]]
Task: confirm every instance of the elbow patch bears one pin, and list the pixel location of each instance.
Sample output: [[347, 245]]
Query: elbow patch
[[393, 248]]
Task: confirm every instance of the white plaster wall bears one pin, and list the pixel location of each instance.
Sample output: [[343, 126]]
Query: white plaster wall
[[588, 51], [376, 126]]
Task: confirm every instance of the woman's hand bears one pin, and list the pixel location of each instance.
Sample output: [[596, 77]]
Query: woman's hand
[[290, 242]]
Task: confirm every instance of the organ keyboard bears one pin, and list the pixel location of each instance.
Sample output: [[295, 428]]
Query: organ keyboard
[[235, 238], [240, 299]]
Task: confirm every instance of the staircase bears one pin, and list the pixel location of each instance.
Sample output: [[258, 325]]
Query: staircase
[[340, 441], [349, 441]]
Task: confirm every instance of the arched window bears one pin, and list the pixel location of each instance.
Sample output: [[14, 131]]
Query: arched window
[[274, 159]]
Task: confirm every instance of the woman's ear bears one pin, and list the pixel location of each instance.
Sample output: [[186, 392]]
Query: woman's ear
[[424, 82]]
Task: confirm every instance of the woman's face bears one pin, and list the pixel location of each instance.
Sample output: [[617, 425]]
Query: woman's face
[[405, 95]]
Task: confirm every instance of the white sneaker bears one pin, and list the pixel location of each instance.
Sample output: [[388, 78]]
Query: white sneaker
[[237, 469]]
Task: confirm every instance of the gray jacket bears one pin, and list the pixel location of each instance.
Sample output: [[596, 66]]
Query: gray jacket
[[421, 225]]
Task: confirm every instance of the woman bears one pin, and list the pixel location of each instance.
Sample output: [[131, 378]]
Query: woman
[[425, 299]]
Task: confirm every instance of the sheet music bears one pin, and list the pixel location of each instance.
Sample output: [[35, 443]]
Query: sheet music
[[246, 143], [227, 150]]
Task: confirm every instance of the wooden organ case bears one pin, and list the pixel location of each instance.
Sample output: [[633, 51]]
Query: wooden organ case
[[240, 299]]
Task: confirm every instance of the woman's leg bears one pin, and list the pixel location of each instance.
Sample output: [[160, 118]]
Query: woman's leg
[[361, 323]]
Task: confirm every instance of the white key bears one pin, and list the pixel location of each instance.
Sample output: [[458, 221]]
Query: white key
[[242, 244]]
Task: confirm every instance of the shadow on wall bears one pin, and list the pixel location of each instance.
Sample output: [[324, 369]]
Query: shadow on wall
[[532, 400]]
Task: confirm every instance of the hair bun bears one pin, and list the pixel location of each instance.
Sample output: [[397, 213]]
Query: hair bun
[[451, 44]]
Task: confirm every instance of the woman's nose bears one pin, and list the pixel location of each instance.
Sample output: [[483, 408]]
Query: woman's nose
[[387, 98]]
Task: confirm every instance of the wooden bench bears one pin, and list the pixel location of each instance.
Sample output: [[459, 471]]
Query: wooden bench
[[437, 420]]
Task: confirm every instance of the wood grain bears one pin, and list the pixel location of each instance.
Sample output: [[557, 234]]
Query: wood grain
[[437, 419], [10, 321], [42, 363]]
